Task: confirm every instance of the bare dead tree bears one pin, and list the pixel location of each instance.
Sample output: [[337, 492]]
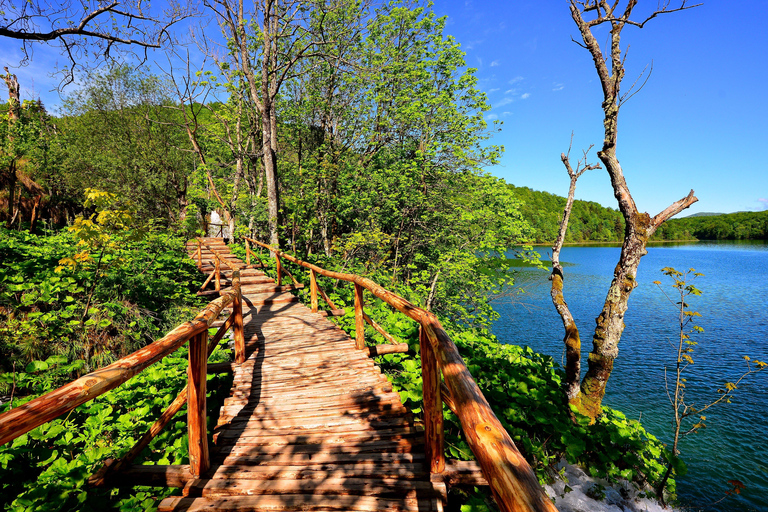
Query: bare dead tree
[[639, 226], [572, 340], [84, 28]]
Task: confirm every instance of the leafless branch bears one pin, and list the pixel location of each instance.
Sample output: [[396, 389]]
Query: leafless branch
[[82, 30]]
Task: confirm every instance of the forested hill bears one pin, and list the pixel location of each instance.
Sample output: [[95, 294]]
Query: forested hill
[[592, 222], [729, 226]]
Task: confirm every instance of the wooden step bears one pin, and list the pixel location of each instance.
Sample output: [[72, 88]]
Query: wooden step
[[290, 502], [392, 445], [405, 470], [341, 438], [339, 486]]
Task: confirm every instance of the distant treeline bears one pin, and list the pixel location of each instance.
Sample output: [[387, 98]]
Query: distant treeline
[[592, 222], [729, 226]]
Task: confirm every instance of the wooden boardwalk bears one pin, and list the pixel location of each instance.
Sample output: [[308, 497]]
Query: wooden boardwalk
[[311, 423]]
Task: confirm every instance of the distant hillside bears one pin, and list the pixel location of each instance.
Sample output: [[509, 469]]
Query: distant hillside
[[704, 214], [729, 226], [592, 222]]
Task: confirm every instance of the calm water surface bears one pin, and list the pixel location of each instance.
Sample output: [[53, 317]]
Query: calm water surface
[[733, 308]]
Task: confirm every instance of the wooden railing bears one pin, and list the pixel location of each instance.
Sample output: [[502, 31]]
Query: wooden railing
[[34, 413], [511, 479]]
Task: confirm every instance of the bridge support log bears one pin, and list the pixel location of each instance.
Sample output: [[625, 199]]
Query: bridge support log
[[433, 406], [199, 459], [359, 319]]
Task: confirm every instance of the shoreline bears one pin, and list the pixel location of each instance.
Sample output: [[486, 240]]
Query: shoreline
[[544, 244]]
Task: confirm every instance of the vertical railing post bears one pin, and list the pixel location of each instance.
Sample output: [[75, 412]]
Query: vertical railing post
[[279, 269], [218, 271], [237, 327], [433, 405], [359, 320], [199, 460], [313, 289], [199, 253], [247, 252]]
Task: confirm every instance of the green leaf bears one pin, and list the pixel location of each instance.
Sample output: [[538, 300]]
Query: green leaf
[[36, 366]]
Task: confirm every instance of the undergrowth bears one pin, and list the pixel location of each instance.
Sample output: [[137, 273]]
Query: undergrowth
[[57, 322]]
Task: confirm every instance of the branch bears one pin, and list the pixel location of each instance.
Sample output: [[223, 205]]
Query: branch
[[673, 210]]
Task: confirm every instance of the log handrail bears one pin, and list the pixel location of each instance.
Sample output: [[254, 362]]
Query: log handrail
[[512, 481], [20, 420]]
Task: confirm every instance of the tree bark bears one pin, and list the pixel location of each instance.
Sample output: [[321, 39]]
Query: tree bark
[[571, 340]]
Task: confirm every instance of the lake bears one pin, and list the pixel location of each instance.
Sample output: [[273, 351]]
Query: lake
[[735, 284]]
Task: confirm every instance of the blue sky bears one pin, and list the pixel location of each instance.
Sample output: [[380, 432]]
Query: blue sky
[[701, 121]]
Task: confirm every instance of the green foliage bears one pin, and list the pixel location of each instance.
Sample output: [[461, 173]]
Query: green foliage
[[78, 313], [146, 291], [136, 153], [589, 221], [47, 468]]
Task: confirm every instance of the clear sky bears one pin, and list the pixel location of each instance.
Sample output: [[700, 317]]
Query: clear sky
[[701, 121]]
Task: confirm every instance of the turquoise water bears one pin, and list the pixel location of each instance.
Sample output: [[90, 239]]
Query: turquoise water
[[735, 283]]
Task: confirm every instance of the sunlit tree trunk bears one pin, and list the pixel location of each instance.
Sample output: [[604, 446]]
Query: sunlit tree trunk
[[639, 227]]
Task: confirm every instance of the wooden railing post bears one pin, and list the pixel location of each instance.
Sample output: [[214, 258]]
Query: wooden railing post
[[247, 252], [199, 460], [433, 405], [237, 327], [279, 269], [199, 253], [218, 271], [359, 320], [313, 289]]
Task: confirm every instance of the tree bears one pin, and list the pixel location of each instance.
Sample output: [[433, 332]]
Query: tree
[[140, 154], [268, 43], [83, 28], [23, 151], [639, 227]]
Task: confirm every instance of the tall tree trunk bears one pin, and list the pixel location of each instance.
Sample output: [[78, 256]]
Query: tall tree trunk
[[639, 227], [12, 181]]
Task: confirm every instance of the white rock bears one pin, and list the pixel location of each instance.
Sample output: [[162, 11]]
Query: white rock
[[619, 497]]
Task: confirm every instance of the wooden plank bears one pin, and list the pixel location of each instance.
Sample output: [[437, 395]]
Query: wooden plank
[[291, 459], [156, 476], [403, 470], [313, 290], [380, 350], [359, 321], [238, 332], [387, 445], [462, 472], [332, 486], [254, 439], [387, 407], [290, 502]]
